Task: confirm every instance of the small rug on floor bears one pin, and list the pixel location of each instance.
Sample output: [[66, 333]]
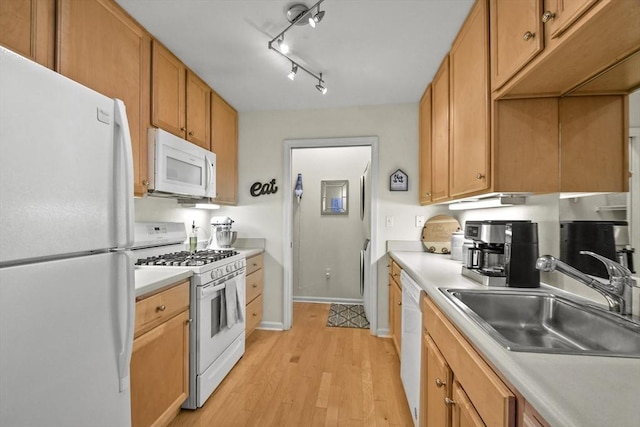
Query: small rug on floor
[[347, 316]]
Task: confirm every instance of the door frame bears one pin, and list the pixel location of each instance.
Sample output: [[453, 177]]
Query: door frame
[[289, 145]]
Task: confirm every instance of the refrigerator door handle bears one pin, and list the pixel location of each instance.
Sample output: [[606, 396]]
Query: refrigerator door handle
[[124, 176], [126, 320], [361, 272]]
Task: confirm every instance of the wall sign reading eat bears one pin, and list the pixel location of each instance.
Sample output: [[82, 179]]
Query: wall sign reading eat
[[259, 189]]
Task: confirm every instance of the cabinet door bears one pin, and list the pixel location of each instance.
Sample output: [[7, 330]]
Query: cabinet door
[[516, 37], [565, 13], [469, 137], [594, 144], [224, 142], [438, 385], [101, 47], [425, 147], [160, 372], [198, 111], [440, 129], [463, 412], [168, 91], [28, 27]]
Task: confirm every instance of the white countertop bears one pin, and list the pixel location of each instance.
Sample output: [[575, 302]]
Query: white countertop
[[567, 390], [149, 280]]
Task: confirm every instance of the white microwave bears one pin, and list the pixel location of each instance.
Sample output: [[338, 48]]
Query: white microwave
[[178, 167]]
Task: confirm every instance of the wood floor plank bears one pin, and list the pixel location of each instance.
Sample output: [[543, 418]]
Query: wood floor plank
[[311, 375]]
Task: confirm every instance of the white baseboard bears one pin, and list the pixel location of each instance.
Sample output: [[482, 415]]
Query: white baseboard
[[328, 300], [271, 326], [383, 333]]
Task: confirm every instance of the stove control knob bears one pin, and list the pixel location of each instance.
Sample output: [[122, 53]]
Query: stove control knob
[[228, 268]]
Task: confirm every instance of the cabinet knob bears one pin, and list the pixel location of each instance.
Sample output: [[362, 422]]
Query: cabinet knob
[[548, 16], [449, 402], [479, 176], [440, 383], [190, 133], [399, 303], [183, 129], [161, 307], [528, 36], [254, 314], [255, 285], [427, 194]]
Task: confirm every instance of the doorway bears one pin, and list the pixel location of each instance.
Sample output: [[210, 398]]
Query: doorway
[[331, 204]]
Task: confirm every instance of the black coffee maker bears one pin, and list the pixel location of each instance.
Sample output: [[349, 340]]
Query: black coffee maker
[[504, 253]]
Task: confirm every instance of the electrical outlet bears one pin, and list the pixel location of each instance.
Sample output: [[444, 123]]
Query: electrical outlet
[[419, 221], [388, 221]]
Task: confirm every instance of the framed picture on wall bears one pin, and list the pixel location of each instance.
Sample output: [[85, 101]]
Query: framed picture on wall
[[398, 181]]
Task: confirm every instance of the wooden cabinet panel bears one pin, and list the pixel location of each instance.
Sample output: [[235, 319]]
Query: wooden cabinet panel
[[437, 387], [565, 13], [526, 145], [28, 28], [157, 308], [463, 412], [395, 305], [254, 285], [224, 142], [160, 372], [593, 144], [198, 111], [440, 129], [168, 91], [254, 263], [469, 133], [101, 47], [254, 314], [424, 149], [516, 36]]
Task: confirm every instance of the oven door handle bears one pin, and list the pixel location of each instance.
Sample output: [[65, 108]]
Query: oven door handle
[[211, 289]]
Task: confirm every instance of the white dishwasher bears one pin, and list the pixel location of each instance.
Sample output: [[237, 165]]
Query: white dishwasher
[[411, 343]]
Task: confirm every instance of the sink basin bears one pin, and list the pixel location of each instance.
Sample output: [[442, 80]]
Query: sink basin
[[539, 321]]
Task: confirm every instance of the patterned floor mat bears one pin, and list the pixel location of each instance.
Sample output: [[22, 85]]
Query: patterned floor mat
[[347, 316]]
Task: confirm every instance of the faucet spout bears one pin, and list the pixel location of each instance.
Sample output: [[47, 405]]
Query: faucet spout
[[617, 292]]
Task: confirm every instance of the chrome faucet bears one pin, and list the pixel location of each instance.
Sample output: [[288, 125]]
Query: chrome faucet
[[617, 292]]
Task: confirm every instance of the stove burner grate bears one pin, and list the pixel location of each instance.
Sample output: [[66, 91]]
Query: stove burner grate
[[187, 259]]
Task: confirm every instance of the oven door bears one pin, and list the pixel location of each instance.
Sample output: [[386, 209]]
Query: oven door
[[214, 335]]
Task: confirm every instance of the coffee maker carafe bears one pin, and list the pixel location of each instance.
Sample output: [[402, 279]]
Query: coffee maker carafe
[[222, 238], [504, 253]]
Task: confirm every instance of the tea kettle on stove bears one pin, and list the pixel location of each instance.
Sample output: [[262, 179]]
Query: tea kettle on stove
[[221, 235]]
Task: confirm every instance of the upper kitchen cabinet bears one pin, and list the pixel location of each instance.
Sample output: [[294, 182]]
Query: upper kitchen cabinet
[[424, 123], [102, 47], [224, 143], [28, 28], [583, 39], [593, 141], [440, 133], [180, 100], [516, 37], [469, 108]]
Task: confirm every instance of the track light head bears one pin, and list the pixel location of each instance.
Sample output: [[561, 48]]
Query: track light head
[[293, 72], [282, 45], [320, 85], [318, 16]]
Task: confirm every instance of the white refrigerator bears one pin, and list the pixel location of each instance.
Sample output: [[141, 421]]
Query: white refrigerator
[[66, 274]]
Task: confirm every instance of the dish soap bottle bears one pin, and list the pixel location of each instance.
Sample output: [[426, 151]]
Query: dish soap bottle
[[193, 238]]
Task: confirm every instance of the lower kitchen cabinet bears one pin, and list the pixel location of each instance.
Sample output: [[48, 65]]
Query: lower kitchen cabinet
[[461, 388], [160, 359], [395, 305], [255, 283]]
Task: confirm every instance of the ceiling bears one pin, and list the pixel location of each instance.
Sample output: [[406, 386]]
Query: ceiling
[[371, 52]]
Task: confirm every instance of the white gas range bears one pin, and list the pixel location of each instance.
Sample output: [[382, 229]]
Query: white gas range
[[217, 302]]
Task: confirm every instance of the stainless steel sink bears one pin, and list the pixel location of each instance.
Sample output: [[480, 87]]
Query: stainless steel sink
[[539, 321]]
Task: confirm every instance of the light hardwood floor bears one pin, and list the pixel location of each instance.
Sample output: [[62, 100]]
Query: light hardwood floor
[[311, 375]]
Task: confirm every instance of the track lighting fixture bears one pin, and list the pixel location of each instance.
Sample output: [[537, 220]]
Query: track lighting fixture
[[319, 86], [292, 73], [299, 14]]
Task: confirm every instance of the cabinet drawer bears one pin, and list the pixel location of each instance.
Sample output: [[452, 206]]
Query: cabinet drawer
[[160, 307], [254, 263], [254, 314], [490, 396], [254, 285], [395, 270]]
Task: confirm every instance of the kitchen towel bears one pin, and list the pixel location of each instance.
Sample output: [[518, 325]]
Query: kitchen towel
[[231, 299]]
